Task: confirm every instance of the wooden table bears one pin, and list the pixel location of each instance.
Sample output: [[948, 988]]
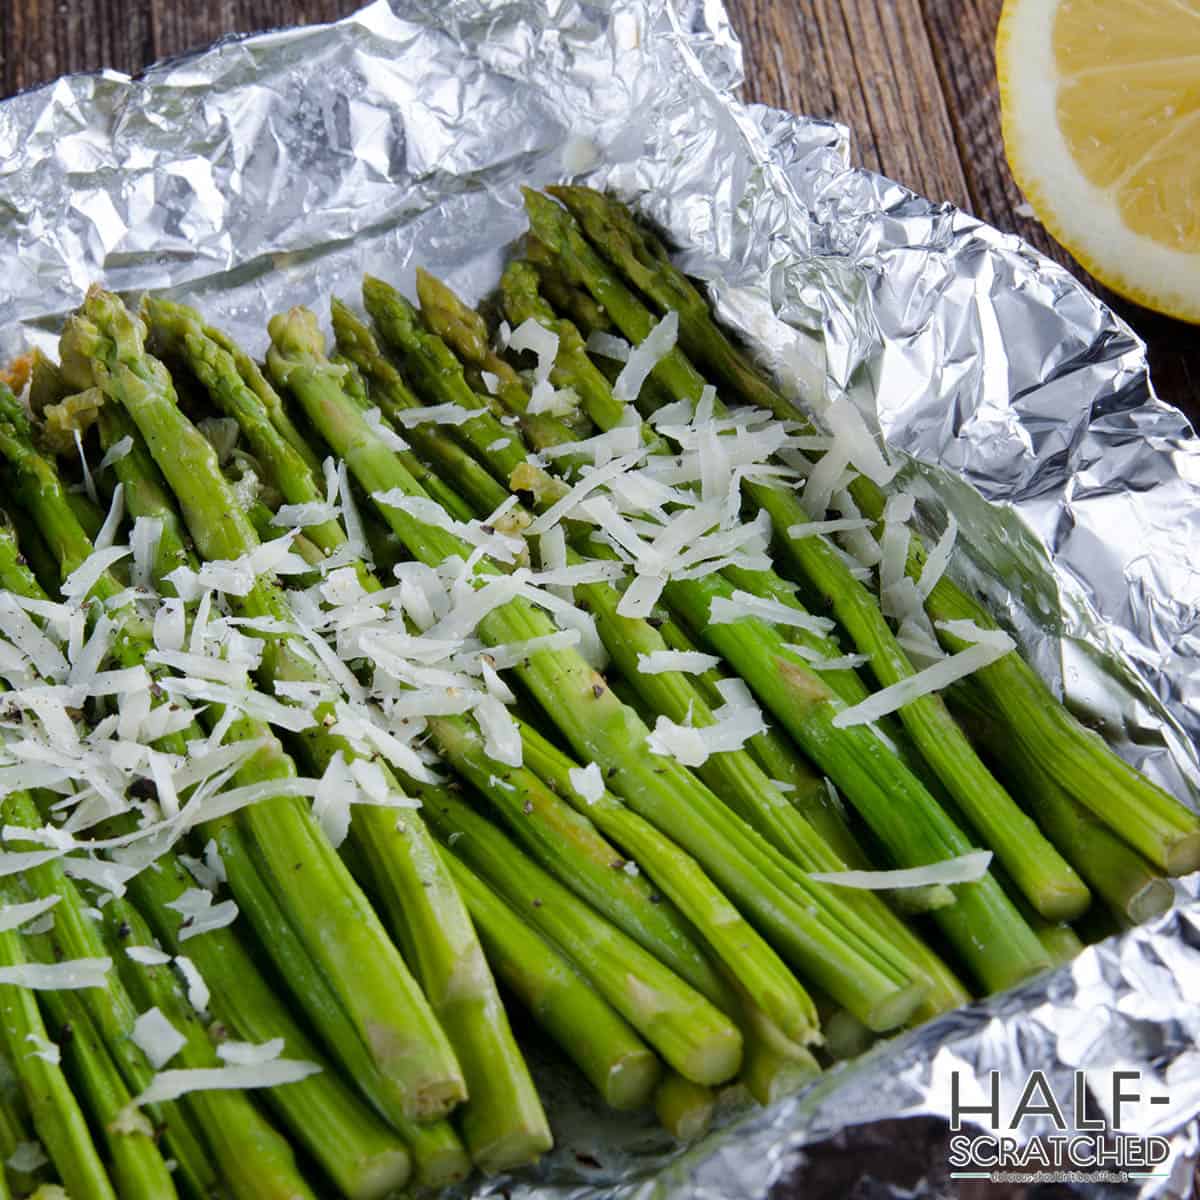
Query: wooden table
[[889, 69]]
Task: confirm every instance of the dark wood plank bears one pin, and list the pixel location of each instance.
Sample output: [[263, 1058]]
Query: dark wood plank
[[866, 63]]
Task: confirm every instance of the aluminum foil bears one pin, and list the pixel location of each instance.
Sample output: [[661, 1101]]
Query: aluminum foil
[[276, 169]]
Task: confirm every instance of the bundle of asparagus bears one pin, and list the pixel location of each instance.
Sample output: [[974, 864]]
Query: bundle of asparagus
[[555, 661]]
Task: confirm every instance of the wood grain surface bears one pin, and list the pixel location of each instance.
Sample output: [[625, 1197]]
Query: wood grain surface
[[914, 80]]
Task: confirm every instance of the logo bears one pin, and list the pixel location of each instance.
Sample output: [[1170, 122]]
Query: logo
[[1040, 1137]]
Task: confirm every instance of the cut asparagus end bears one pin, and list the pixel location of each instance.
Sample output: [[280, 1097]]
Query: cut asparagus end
[[631, 1081], [1151, 900], [439, 1158], [898, 1008], [510, 1149], [769, 1076], [1067, 901], [716, 1060], [1181, 855], [684, 1109], [846, 1036], [384, 1175]]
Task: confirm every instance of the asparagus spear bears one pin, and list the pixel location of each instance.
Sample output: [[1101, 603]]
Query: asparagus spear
[[691, 1035], [138, 1169], [177, 329], [502, 1123], [255, 379], [60, 1123], [451, 460], [34, 552], [572, 694], [600, 1042], [237, 1132], [780, 761], [1045, 878], [431, 366], [1120, 876], [110, 1008], [392, 1016], [46, 384], [14, 1129], [1131, 804], [352, 1145]]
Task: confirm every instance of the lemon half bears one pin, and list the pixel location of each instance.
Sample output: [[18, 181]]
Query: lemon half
[[1101, 115]]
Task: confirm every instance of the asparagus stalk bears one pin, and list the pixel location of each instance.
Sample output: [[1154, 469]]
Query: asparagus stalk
[[432, 367], [353, 1145], [34, 552], [690, 1034], [110, 1008], [46, 384], [392, 1016], [138, 1169], [599, 1041], [781, 762], [256, 380], [177, 329], [388, 391], [264, 1167], [502, 1123], [14, 1129], [1042, 730], [1132, 805], [572, 694], [59, 1121], [1044, 877], [1121, 877]]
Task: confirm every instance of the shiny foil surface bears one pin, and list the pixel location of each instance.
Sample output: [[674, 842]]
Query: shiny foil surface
[[276, 169]]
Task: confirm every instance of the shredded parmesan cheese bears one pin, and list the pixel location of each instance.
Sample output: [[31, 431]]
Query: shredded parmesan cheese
[[967, 868]]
